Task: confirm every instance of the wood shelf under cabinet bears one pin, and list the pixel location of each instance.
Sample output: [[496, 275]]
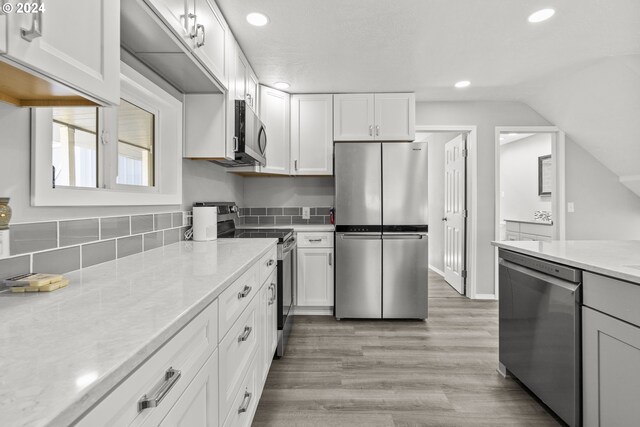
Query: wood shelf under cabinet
[[24, 89]]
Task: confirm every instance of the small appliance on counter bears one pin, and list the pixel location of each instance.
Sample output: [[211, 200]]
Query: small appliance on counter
[[227, 216], [205, 222]]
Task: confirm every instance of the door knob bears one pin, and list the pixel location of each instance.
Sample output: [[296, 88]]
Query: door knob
[[444, 219]]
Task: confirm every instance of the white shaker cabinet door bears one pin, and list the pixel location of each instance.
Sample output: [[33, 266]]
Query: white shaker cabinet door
[[210, 41], [395, 117], [353, 117], [198, 405], [311, 135], [315, 277], [74, 42], [241, 71], [274, 113]]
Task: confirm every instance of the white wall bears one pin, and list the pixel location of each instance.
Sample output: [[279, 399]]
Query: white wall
[[435, 144], [286, 191], [604, 208], [203, 181], [519, 177], [486, 116]]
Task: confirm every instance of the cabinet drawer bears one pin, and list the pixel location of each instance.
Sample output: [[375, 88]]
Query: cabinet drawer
[[236, 298], [186, 352], [236, 351], [315, 240], [612, 296], [243, 406], [268, 263], [537, 229], [513, 226]]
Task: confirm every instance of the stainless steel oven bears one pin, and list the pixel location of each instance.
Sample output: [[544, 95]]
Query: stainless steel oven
[[286, 290]]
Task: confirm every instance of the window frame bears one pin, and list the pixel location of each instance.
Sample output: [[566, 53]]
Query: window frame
[[168, 132]]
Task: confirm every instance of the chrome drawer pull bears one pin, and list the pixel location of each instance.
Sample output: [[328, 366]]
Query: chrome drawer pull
[[160, 391], [270, 263], [245, 402], [244, 292], [245, 334], [272, 287], [315, 240]]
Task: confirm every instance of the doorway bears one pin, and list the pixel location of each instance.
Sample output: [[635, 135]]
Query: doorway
[[449, 228], [529, 192]]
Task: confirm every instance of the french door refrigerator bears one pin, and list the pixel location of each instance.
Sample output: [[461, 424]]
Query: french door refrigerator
[[381, 230]]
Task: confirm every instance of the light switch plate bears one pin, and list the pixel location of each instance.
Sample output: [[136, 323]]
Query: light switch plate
[[571, 207], [306, 213]]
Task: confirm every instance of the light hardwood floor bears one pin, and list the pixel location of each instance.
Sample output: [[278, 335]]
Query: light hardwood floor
[[441, 372]]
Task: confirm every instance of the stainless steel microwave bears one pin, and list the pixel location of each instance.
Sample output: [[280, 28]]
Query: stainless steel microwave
[[249, 140]]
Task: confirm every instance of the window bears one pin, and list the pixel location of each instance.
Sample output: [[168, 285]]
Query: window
[[135, 145], [110, 156], [75, 147]]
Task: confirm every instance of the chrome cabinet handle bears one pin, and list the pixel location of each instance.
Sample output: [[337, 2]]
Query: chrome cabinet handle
[[235, 143], [272, 287], [370, 130], [160, 391], [30, 34], [245, 402], [377, 130], [245, 335], [295, 165], [315, 240], [330, 259], [445, 219], [194, 35], [244, 292], [270, 263]]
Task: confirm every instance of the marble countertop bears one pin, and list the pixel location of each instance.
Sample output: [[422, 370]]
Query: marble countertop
[[613, 258], [296, 227], [532, 221], [61, 352]]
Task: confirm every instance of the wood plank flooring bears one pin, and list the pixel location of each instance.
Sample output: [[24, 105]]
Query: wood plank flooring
[[441, 372]]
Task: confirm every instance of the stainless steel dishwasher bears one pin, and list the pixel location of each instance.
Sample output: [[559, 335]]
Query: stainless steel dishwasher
[[540, 330]]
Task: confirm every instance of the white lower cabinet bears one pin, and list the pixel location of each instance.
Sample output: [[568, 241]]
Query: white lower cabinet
[[212, 372], [315, 270], [198, 405]]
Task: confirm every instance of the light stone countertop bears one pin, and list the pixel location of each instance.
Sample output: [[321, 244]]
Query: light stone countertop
[[62, 352], [530, 221], [613, 258], [296, 227]]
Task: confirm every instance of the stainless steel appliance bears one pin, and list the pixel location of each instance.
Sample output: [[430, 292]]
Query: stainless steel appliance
[[250, 140], [227, 218], [540, 330], [381, 230]]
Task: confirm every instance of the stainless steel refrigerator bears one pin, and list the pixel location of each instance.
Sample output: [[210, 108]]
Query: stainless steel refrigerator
[[381, 216]]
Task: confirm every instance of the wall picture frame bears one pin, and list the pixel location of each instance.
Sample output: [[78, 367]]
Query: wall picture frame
[[545, 175]]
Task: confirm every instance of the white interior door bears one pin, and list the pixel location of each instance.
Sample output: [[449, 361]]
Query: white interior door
[[454, 212]]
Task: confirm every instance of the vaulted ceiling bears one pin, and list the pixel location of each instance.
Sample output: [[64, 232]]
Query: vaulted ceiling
[[425, 46]]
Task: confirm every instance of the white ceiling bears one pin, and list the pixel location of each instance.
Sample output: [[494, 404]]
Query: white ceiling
[[425, 46]]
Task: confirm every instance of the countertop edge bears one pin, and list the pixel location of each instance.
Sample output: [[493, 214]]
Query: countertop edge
[[605, 271], [104, 385], [327, 228]]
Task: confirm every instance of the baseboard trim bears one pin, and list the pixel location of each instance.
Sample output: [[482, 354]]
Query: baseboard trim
[[485, 296], [440, 272], [313, 311]]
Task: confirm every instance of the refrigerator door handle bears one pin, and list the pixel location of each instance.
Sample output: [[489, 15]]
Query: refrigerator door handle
[[403, 236]]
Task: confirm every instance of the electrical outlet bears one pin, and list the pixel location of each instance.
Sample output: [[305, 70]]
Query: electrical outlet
[[306, 213], [571, 207]]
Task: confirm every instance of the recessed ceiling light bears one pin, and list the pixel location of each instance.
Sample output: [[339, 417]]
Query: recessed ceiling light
[[462, 83], [281, 85], [541, 15], [257, 19]]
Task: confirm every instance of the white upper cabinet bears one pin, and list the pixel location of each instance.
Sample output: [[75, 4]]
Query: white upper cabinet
[[311, 134], [179, 15], [353, 117], [83, 54], [395, 117], [241, 70], [253, 91], [274, 113], [210, 39], [374, 117]]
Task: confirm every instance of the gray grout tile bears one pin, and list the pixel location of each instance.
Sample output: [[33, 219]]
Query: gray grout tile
[[322, 211], [258, 211], [33, 237], [57, 261], [283, 220], [315, 219], [141, 223], [152, 240], [266, 220], [292, 211], [79, 231], [114, 227], [129, 246], [298, 220], [162, 221], [97, 253], [10, 267], [171, 236], [274, 211], [177, 219], [251, 220]]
